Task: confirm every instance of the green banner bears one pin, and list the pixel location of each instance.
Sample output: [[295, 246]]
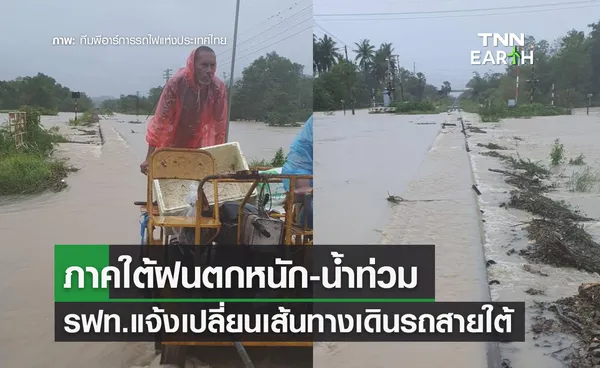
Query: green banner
[[74, 274]]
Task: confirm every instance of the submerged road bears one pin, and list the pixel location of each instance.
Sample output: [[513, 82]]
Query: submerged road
[[96, 208], [394, 153], [358, 160]]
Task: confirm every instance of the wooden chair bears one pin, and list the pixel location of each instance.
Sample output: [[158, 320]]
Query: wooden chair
[[182, 164]]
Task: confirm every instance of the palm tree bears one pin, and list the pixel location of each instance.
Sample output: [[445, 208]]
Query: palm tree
[[388, 50], [316, 52], [365, 53], [325, 54]]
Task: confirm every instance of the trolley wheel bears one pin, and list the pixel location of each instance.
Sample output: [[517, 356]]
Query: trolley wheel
[[174, 354]]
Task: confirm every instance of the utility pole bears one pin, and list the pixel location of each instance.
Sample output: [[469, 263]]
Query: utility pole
[[533, 81], [348, 81], [400, 77], [552, 100], [517, 81], [589, 96], [231, 74], [137, 103], [390, 80], [167, 74]]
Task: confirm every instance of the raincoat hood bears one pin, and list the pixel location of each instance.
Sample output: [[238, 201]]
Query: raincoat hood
[[189, 70], [183, 104]]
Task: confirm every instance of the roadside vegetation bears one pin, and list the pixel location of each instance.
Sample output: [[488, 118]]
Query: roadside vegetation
[[569, 66], [87, 119], [558, 236], [365, 75], [277, 161], [420, 107], [272, 90], [31, 168]]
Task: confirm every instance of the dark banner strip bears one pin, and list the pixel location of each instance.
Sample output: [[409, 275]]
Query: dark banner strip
[[225, 322]]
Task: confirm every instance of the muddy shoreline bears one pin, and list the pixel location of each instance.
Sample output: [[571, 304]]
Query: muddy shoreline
[[529, 251]]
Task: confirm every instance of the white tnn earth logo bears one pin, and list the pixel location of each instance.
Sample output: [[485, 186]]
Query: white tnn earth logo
[[502, 49]]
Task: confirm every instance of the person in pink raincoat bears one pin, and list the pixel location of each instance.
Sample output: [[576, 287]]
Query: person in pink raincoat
[[192, 109]]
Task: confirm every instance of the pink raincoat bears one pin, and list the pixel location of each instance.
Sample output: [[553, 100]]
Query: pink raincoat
[[189, 115]]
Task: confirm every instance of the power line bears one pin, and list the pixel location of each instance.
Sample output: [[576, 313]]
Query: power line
[[459, 15], [266, 47], [460, 10], [330, 34], [288, 29], [273, 26]]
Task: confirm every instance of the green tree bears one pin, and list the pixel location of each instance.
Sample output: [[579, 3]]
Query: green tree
[[570, 64], [41, 92], [273, 89], [363, 78]]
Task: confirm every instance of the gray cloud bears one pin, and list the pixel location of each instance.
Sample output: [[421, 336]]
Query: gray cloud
[[440, 46], [28, 27]]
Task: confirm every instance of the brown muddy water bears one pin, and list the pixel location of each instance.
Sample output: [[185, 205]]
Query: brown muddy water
[[532, 139], [405, 155], [358, 161], [96, 208]]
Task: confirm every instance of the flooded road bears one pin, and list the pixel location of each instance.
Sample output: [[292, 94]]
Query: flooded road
[[96, 208], [257, 140], [433, 175], [358, 160]]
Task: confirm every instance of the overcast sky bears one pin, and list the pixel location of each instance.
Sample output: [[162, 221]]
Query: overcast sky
[[28, 26], [441, 46]]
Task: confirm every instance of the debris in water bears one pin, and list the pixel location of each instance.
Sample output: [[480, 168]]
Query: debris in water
[[394, 199], [532, 291], [579, 315], [530, 269], [494, 154], [545, 207], [492, 146], [474, 129], [490, 262], [562, 244], [494, 282]]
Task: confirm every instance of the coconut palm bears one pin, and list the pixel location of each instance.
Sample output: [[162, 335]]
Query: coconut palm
[[325, 54], [365, 53]]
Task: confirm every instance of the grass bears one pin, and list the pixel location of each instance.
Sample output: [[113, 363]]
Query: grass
[[557, 153], [492, 146], [31, 168], [277, 161], [496, 112], [84, 120], [584, 181], [417, 108], [578, 161]]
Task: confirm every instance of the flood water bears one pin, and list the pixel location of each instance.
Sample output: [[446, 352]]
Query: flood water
[[358, 161], [533, 139], [431, 171], [96, 208]]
